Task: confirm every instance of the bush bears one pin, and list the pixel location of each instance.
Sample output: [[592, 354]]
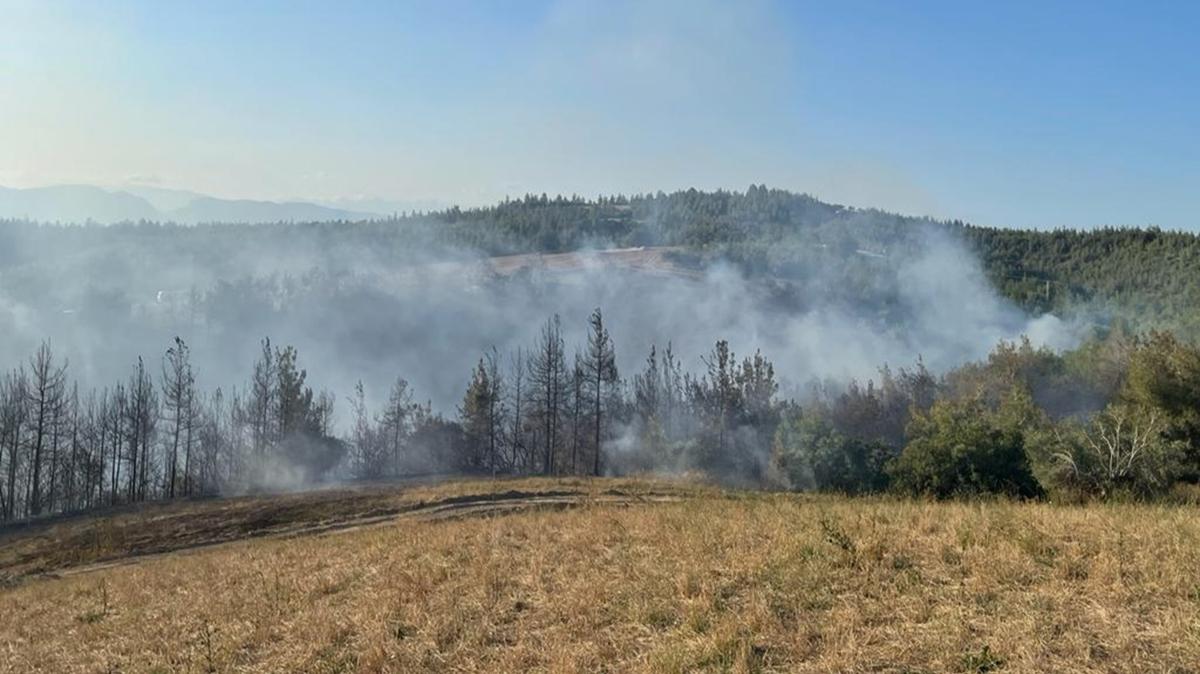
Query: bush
[[1124, 450], [814, 455], [960, 448]]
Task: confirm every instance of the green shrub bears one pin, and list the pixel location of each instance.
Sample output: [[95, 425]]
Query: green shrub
[[960, 448], [814, 455]]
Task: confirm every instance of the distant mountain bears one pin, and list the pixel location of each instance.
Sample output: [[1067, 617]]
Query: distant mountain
[[210, 209], [74, 203], [87, 203], [162, 198]]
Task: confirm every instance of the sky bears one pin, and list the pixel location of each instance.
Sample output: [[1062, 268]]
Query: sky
[[1026, 114]]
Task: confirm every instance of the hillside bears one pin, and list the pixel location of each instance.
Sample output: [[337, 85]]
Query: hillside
[[1145, 277], [701, 581]]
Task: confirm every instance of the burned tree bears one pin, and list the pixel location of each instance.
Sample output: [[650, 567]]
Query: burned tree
[[14, 411], [396, 422], [601, 369], [178, 385], [45, 396], [548, 378]]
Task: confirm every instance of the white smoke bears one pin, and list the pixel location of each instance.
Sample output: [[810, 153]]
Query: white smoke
[[353, 313]]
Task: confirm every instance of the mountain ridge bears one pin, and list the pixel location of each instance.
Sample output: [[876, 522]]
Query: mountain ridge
[[80, 203]]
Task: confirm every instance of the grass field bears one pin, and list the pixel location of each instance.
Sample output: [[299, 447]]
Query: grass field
[[546, 575]]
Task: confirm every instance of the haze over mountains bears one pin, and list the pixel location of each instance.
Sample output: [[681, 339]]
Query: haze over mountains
[[89, 203]]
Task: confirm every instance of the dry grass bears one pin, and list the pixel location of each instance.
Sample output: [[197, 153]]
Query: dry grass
[[63, 543], [715, 582]]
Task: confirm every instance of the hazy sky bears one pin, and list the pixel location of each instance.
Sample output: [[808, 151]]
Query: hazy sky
[[1032, 114]]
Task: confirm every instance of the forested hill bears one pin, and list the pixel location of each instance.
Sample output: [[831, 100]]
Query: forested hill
[[1148, 277]]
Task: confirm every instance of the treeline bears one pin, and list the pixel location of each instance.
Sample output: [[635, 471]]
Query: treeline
[[1118, 416], [543, 411], [155, 435]]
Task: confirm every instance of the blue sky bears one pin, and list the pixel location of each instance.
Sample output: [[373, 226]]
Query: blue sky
[[1014, 113]]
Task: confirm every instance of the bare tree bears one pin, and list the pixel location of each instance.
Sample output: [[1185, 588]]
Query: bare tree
[[178, 387], [74, 464], [233, 446], [368, 458], [261, 400], [14, 412], [578, 379], [211, 438], [95, 439], [45, 397], [495, 426], [141, 417], [396, 422], [117, 436], [519, 457], [547, 375]]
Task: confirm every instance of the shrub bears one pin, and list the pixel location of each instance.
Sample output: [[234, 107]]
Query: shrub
[[960, 448], [1123, 450], [814, 455]]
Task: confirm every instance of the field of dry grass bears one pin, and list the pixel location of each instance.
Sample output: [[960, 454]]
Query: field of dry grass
[[693, 580], [73, 543]]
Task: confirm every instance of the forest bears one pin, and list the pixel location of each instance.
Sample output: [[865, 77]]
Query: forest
[[1110, 415]]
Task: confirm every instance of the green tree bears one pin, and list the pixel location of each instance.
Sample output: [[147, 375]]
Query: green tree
[[1164, 381]]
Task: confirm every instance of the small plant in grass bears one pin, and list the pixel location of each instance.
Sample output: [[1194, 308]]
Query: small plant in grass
[[207, 632], [100, 613], [836, 536], [983, 661]]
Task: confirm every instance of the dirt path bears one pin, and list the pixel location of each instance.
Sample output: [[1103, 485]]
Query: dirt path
[[457, 507]]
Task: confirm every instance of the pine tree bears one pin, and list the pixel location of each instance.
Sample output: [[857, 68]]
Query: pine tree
[[474, 416], [293, 400], [601, 367]]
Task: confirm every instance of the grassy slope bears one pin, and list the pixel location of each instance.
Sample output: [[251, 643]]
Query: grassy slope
[[741, 582], [75, 543]]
